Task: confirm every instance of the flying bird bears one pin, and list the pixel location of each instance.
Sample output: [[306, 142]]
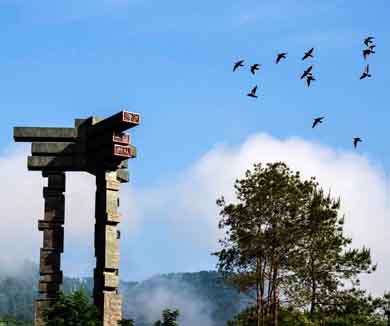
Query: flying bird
[[238, 64], [281, 56], [356, 140], [308, 54], [367, 52], [365, 72], [255, 67], [368, 40], [317, 121], [307, 72], [252, 93], [309, 78]]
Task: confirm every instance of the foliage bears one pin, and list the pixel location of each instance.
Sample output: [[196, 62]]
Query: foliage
[[262, 233], [284, 243], [169, 318], [73, 309], [324, 262], [290, 316]]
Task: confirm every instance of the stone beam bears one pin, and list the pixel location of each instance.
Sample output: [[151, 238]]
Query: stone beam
[[55, 149], [42, 134], [119, 122], [56, 163], [123, 175]]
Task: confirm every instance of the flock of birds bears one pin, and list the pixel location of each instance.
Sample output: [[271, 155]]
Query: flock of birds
[[307, 73]]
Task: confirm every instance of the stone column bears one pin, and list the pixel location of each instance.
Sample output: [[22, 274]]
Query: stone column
[[53, 243], [106, 273]]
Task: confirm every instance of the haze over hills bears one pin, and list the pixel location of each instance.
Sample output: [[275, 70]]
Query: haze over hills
[[201, 297]]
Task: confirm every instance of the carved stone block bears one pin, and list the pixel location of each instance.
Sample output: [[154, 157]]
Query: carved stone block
[[45, 287], [54, 277], [54, 239], [111, 280], [49, 261], [112, 308]]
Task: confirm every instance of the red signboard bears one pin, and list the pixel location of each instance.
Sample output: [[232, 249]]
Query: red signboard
[[124, 151], [131, 117], [121, 138]]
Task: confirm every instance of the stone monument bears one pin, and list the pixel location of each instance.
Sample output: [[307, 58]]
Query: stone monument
[[99, 147]]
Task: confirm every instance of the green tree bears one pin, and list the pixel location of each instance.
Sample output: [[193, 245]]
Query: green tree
[[324, 260], [263, 232], [73, 309], [169, 318], [284, 235]]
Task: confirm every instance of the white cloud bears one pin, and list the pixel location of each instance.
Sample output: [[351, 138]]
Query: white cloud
[[173, 295], [187, 202]]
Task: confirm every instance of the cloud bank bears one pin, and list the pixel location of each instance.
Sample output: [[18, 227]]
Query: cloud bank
[[187, 202]]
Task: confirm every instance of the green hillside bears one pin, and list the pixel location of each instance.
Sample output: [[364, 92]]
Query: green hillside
[[200, 295]]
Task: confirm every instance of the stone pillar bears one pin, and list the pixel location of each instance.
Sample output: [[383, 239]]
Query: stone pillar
[[106, 273], [53, 243]]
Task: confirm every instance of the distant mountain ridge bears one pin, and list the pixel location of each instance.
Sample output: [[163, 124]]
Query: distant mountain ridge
[[202, 297]]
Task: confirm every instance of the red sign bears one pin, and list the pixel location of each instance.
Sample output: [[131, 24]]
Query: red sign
[[131, 117], [121, 138], [124, 151]]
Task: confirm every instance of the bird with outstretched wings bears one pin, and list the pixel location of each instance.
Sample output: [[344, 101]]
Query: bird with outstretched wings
[[308, 54], [317, 121], [238, 64], [252, 93], [356, 140], [309, 79], [255, 67], [307, 72], [368, 40], [281, 56], [366, 72]]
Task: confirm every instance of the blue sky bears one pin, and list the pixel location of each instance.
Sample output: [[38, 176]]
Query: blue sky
[[172, 62]]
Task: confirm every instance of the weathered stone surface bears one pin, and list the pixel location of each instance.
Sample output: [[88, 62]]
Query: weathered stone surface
[[118, 122], [123, 175], [124, 164], [113, 218], [54, 239], [40, 306], [45, 287], [78, 122], [111, 280], [49, 261], [112, 202], [112, 308], [56, 149], [43, 134], [55, 208], [113, 185], [43, 225], [52, 278], [111, 248], [52, 192], [57, 163]]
